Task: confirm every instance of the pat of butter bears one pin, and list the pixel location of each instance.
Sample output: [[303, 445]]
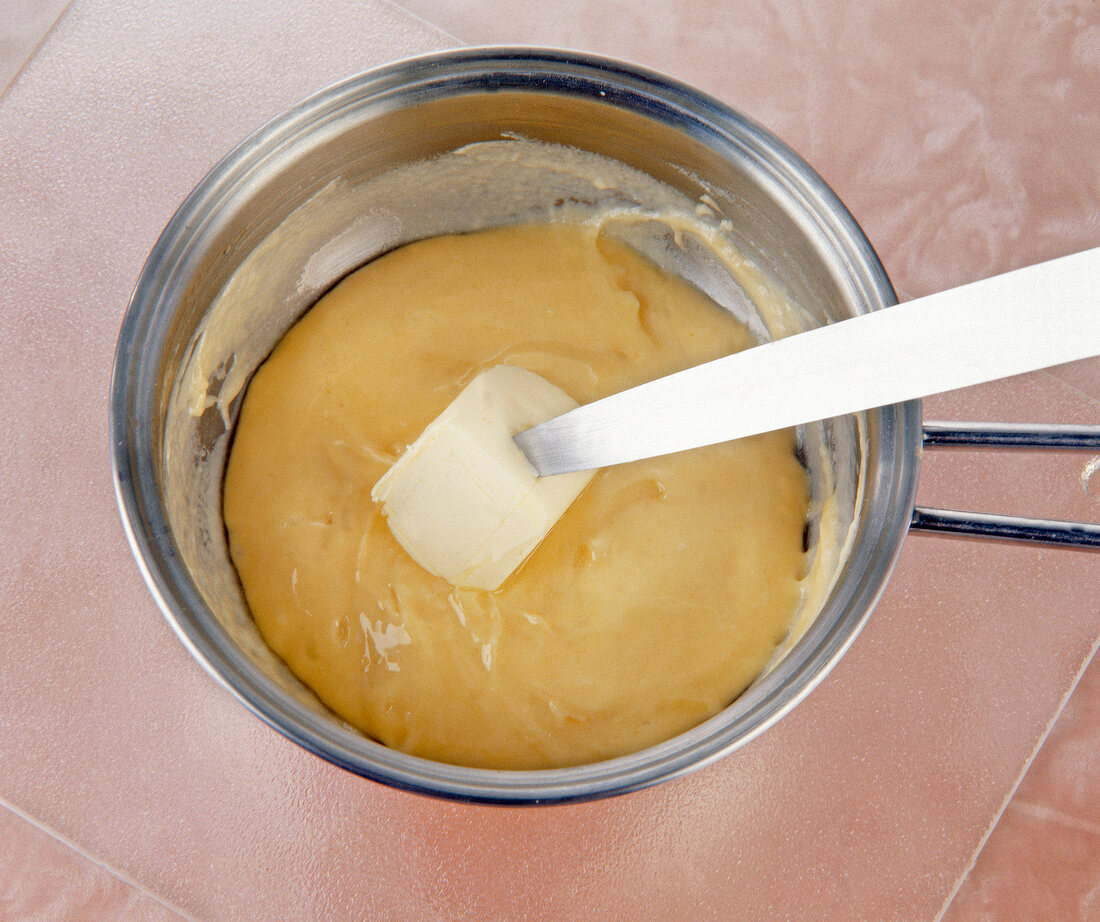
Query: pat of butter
[[463, 500]]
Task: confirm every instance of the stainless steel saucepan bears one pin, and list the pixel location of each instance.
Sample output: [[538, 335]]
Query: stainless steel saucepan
[[470, 139]]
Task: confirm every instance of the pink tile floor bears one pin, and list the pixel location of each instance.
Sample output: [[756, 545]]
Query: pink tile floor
[[999, 101]]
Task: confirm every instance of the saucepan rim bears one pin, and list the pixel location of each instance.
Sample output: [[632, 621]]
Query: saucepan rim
[[133, 414]]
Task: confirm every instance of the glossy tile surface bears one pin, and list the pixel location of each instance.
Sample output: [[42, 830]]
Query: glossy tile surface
[[963, 139]]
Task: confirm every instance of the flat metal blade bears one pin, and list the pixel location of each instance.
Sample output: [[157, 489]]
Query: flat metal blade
[[1021, 321]]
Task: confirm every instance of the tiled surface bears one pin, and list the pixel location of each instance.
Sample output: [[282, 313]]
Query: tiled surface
[[46, 880], [963, 138], [1043, 859], [23, 25]]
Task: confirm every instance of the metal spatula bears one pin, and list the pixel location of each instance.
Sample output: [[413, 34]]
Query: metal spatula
[[1030, 318]]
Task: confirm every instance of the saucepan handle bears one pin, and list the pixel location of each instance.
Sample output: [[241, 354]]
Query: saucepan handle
[[1008, 527]]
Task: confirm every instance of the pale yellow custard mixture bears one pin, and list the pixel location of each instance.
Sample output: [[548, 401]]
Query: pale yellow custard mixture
[[653, 602]]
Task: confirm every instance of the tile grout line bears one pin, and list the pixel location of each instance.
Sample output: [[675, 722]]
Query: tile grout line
[[1015, 786], [1070, 387], [34, 51], [92, 859], [427, 22]]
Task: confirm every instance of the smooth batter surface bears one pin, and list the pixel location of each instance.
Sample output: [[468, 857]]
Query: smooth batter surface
[[655, 600]]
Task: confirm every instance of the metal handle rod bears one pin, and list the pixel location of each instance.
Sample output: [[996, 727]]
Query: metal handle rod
[[1009, 527], [1011, 435]]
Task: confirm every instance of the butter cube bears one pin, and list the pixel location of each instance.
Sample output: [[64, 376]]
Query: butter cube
[[463, 500]]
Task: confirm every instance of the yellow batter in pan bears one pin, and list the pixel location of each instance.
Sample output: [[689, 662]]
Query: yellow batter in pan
[[653, 602]]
